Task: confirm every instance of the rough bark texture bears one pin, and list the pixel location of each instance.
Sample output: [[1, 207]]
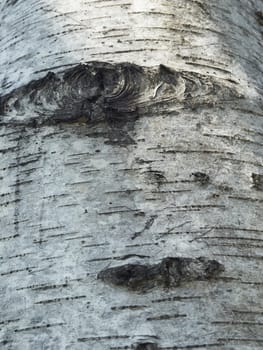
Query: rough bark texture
[[131, 175]]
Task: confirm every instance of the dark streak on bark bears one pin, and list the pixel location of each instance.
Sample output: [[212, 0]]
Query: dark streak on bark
[[257, 181], [169, 273], [146, 346], [200, 177], [259, 15], [11, 2]]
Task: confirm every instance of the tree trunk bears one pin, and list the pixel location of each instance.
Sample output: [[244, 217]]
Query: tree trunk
[[131, 174]]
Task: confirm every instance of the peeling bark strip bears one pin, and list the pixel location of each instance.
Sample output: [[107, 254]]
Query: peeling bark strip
[[170, 272], [99, 91]]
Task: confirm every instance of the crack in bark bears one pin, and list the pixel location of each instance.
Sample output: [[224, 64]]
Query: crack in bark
[[169, 273]]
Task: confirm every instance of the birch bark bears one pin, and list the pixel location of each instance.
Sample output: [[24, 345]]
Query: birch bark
[[131, 176]]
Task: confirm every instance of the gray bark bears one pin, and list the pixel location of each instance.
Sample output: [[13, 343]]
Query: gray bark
[[131, 175]]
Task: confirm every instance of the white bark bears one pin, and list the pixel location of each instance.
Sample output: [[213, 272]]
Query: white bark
[[171, 166]]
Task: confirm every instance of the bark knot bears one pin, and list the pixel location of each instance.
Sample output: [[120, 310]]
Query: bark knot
[[170, 272]]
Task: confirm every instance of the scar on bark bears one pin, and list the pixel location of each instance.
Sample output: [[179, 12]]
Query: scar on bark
[[116, 93], [169, 273], [110, 98]]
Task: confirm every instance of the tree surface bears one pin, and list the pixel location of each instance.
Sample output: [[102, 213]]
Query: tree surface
[[131, 175]]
